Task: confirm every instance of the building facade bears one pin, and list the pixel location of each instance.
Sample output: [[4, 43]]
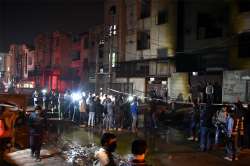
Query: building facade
[[144, 44], [203, 35], [236, 81], [57, 61]]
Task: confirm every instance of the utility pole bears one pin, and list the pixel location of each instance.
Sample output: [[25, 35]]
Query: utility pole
[[112, 12]]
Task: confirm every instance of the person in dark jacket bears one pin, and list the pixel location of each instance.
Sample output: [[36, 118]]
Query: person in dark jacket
[[139, 149], [119, 113], [205, 128], [195, 118], [98, 111], [36, 129]]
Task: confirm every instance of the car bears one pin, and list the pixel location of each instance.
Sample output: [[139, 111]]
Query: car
[[13, 117]]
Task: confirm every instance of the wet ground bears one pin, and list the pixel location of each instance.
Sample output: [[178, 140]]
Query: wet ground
[[166, 146]]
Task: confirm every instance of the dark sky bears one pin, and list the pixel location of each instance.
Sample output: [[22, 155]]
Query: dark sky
[[21, 20]]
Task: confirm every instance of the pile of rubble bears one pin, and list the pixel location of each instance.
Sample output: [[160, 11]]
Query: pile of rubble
[[79, 155]]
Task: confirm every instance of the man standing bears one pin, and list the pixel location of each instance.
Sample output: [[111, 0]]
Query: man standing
[[134, 113], [205, 128], [209, 93], [110, 114], [35, 98], [231, 137], [36, 126], [91, 112], [195, 118], [98, 112], [83, 111]]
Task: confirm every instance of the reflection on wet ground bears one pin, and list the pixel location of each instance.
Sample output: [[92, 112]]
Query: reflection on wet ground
[[159, 142], [165, 146]]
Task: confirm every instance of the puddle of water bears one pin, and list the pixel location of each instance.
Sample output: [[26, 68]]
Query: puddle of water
[[159, 142]]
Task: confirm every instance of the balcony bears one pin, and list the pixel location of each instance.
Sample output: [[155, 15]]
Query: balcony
[[132, 69]]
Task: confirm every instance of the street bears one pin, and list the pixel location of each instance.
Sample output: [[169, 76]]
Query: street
[[165, 147]]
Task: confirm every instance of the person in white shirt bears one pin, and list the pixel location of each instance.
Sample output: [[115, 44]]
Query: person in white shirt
[[209, 92], [104, 154]]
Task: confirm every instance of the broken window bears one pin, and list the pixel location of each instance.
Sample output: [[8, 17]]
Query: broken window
[[145, 8], [143, 40], [162, 17], [244, 45], [208, 26]]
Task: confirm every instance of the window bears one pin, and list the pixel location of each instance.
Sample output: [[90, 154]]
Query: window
[[162, 17], [86, 42], [112, 10], [75, 55], [76, 38], [143, 40], [244, 5], [162, 52], [208, 26], [113, 59], [101, 43], [244, 45], [145, 8], [112, 30]]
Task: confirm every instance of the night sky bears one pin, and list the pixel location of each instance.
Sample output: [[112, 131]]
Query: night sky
[[21, 20]]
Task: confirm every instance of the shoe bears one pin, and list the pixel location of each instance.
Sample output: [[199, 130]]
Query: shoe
[[228, 158], [190, 138], [196, 139], [38, 159], [236, 158]]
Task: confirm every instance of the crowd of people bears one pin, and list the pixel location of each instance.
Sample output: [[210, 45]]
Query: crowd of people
[[93, 111], [228, 127], [99, 111], [212, 126]]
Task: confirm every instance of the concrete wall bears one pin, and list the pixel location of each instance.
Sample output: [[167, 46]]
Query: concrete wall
[[233, 86], [178, 85]]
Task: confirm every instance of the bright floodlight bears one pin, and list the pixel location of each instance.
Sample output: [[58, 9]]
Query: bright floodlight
[[44, 91], [76, 96], [83, 94], [130, 98]]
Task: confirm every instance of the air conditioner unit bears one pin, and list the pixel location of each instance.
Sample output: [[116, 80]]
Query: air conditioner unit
[[162, 52]]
